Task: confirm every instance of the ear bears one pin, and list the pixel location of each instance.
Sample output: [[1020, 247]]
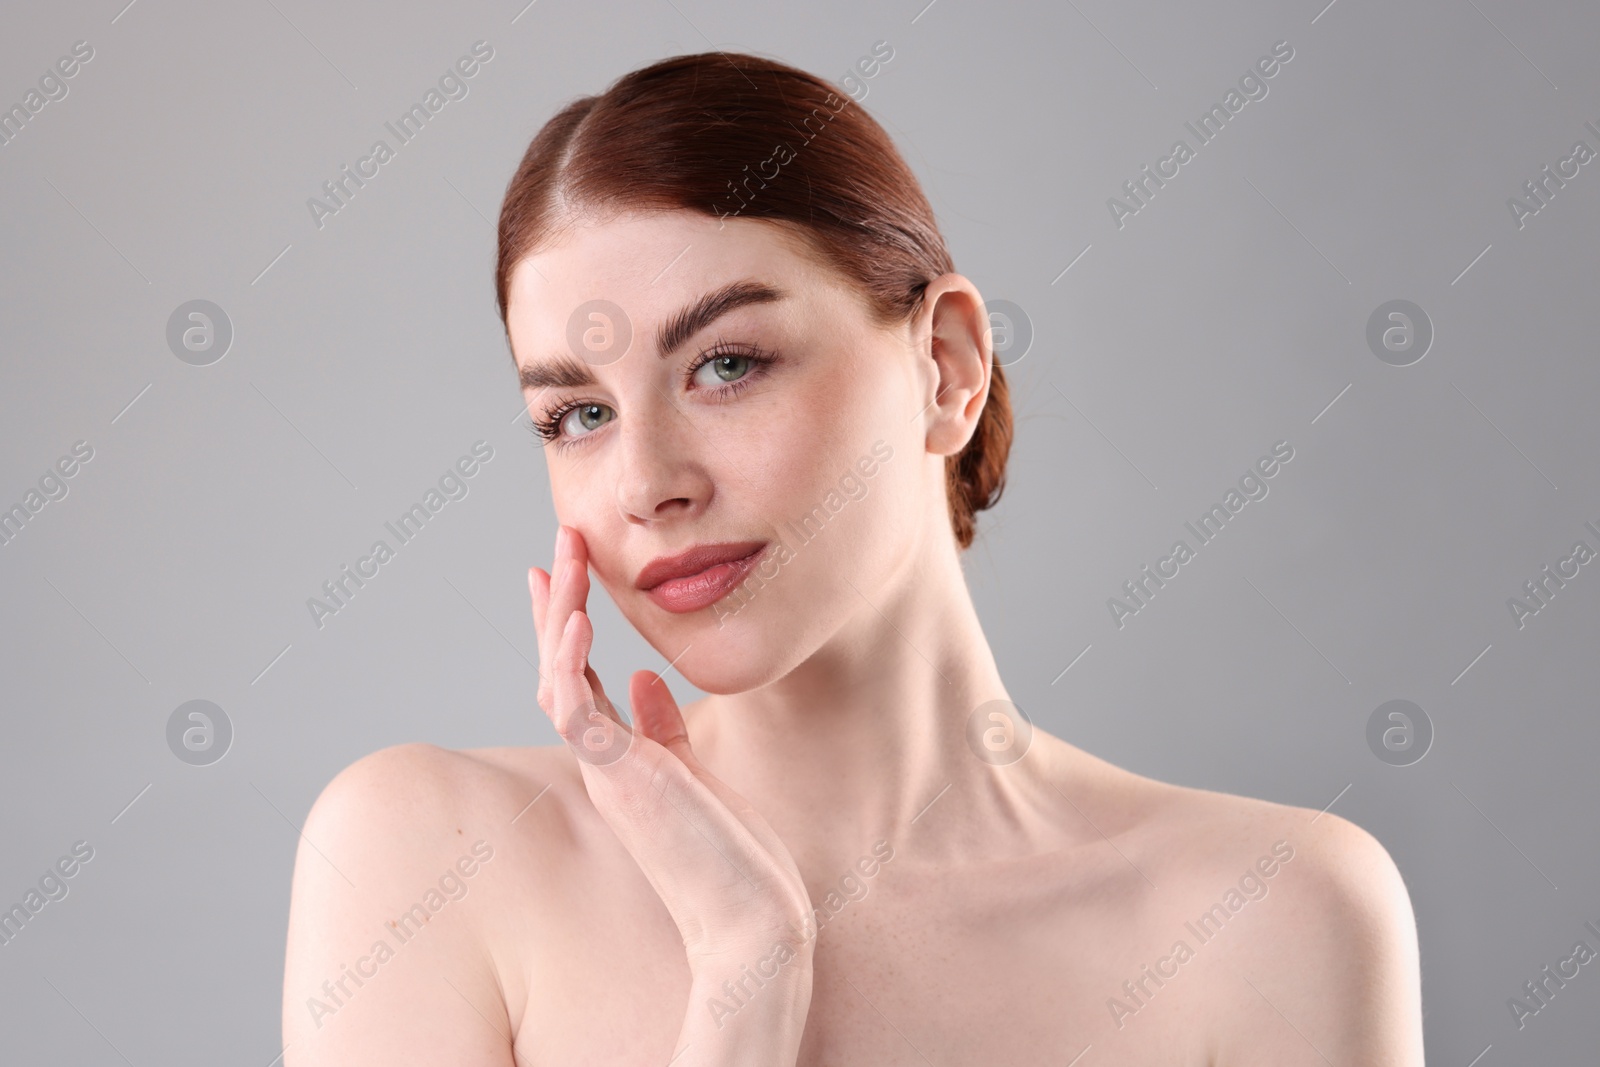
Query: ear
[[952, 332]]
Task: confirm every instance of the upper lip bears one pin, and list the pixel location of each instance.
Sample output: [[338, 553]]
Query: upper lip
[[693, 561]]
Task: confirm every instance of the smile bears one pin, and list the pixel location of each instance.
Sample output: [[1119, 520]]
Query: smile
[[700, 577]]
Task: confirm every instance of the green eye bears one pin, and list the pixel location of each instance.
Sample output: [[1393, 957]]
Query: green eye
[[726, 369], [589, 417]]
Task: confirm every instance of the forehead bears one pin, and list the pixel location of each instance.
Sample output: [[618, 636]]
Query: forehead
[[651, 265]]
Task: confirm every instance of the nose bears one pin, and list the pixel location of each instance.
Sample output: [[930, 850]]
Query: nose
[[662, 473]]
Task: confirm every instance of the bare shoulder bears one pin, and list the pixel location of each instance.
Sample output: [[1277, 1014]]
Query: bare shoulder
[[418, 783], [1343, 880], [404, 869], [406, 805], [1200, 833], [1328, 969], [390, 818], [1300, 917]]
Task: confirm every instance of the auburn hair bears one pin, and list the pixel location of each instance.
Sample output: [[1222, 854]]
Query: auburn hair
[[700, 132]]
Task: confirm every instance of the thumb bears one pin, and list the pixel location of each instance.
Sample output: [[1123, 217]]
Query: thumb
[[656, 715]]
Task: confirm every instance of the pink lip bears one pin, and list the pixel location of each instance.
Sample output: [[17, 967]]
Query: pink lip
[[699, 577]]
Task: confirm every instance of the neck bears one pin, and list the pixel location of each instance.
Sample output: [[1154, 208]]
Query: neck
[[868, 739]]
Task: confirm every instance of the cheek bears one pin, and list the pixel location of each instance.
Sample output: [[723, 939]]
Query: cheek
[[826, 431], [786, 450], [852, 394], [865, 522], [580, 502]]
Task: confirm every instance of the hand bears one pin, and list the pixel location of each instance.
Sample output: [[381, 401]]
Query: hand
[[726, 878]]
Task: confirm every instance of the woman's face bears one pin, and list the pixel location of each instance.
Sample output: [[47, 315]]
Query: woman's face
[[757, 407]]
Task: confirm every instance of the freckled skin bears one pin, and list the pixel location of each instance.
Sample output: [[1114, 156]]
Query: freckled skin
[[1018, 899]]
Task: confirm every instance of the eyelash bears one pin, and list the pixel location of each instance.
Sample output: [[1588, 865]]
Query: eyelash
[[547, 427]]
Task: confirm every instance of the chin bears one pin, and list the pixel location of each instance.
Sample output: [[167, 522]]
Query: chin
[[747, 651]]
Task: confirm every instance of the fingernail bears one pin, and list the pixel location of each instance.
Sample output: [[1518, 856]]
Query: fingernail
[[560, 572], [561, 541]]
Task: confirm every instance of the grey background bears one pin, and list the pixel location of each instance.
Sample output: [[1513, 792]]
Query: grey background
[[1224, 317]]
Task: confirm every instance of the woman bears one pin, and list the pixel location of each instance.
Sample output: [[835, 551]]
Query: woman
[[771, 414]]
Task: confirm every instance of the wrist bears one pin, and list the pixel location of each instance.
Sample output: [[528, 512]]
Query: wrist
[[748, 1000], [749, 1010], [766, 946], [737, 973]]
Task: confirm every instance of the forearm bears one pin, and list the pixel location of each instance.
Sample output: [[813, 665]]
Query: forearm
[[747, 1009]]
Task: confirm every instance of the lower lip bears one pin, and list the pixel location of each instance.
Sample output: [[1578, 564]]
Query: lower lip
[[696, 591]]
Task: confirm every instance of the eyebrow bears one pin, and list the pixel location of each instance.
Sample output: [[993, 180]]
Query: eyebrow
[[565, 372]]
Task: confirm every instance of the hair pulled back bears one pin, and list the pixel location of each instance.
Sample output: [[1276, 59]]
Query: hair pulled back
[[703, 132]]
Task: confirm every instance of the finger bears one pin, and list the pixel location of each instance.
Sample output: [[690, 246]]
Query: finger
[[569, 588], [550, 628], [549, 634], [599, 691], [570, 686], [580, 717], [571, 594], [539, 594], [656, 715]]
